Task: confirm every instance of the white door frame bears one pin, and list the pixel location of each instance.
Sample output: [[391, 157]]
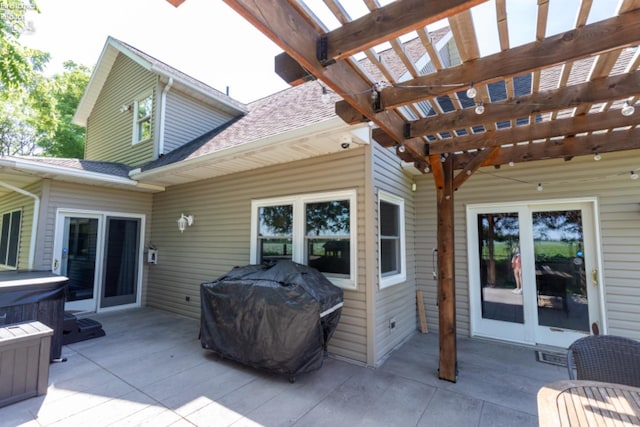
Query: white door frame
[[94, 304], [530, 332]]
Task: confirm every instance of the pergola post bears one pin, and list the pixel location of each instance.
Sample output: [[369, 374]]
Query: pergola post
[[446, 274]]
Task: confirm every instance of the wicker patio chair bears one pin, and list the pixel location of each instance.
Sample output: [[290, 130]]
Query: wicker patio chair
[[606, 358]]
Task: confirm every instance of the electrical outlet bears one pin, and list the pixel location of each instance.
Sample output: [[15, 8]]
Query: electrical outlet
[[392, 323]]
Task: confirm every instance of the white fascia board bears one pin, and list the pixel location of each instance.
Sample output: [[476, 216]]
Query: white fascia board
[[334, 124], [85, 176]]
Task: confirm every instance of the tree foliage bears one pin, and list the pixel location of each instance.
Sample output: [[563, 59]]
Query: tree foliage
[[66, 139], [16, 61], [35, 110]]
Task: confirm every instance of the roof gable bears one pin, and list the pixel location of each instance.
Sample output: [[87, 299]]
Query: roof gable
[[180, 80]]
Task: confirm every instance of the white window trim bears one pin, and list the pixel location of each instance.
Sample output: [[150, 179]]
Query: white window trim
[[298, 233], [134, 136], [401, 277], [2, 264]]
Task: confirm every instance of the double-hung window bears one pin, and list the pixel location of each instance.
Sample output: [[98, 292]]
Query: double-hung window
[[318, 230], [275, 235], [392, 251], [142, 118], [10, 238]]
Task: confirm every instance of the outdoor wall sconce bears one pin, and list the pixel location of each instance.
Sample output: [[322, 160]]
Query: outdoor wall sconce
[[184, 221], [125, 108]]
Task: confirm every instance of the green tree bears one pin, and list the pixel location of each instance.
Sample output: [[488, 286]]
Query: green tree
[[16, 61], [66, 139], [26, 112]]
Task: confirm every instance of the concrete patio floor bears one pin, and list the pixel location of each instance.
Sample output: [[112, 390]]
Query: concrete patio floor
[[150, 370]]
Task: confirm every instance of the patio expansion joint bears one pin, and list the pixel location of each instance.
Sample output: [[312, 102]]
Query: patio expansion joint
[[320, 401], [138, 389]]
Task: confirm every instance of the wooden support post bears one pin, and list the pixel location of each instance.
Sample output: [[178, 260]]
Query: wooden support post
[[421, 313], [446, 276]]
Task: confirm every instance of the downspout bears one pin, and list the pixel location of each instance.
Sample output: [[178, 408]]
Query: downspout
[[36, 216], [163, 104]]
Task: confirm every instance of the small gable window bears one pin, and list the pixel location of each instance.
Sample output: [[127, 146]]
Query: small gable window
[[142, 116], [10, 238]]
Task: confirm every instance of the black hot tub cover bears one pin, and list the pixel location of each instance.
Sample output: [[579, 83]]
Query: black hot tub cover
[[276, 317]]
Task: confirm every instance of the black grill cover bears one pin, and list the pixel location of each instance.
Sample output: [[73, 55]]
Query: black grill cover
[[276, 317]]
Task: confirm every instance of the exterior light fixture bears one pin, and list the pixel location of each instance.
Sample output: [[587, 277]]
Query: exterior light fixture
[[125, 108], [634, 175], [597, 157], [401, 148], [184, 221], [540, 186], [511, 163], [479, 108], [628, 109], [472, 92]]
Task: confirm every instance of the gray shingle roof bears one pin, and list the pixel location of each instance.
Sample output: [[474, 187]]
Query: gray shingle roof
[[107, 168], [284, 111]]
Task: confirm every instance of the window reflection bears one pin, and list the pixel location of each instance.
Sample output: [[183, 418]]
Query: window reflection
[[275, 233], [327, 235], [560, 271], [500, 267]]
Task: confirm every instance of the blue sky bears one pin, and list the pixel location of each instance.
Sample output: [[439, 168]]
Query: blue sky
[[209, 41]]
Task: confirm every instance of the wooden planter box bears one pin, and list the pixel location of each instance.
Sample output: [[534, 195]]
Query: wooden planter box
[[24, 361]]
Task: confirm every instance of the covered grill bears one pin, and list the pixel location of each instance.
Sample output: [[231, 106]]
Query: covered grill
[[276, 317]]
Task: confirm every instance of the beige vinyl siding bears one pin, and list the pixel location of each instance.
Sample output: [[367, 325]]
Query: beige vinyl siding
[[397, 301], [187, 118], [220, 236], [16, 201], [61, 195], [618, 200], [109, 130]]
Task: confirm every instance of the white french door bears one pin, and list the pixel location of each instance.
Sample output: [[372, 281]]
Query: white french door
[[101, 255], [534, 272]]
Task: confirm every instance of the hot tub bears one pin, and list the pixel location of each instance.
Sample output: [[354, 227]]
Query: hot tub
[[34, 295]]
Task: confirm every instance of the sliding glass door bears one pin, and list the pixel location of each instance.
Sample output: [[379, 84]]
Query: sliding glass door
[[78, 252], [120, 262], [101, 255]]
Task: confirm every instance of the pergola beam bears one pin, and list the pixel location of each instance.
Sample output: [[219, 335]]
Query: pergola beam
[[544, 130], [600, 90], [609, 34], [614, 33], [568, 147], [390, 21]]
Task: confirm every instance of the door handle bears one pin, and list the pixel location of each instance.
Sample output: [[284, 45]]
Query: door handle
[[594, 277], [56, 263]]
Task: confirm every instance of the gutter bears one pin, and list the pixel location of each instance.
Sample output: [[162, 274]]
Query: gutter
[[82, 175], [34, 223]]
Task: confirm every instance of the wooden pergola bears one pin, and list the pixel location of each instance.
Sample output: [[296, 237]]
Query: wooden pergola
[[450, 139]]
